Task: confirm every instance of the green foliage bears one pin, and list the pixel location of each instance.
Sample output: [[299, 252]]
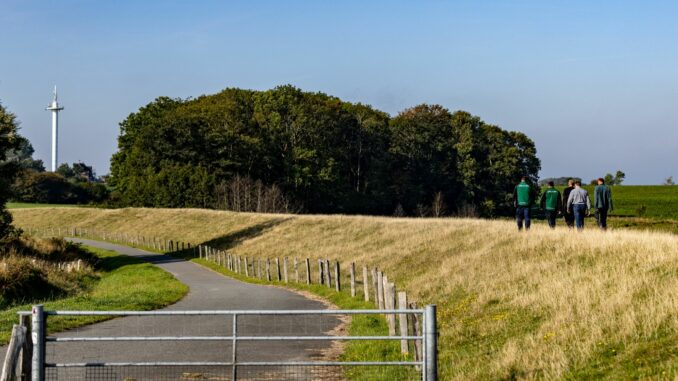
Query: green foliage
[[23, 156], [324, 155], [611, 179], [78, 172], [53, 188], [9, 142], [30, 270]]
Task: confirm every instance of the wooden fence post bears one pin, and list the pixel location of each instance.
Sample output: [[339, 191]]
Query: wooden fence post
[[380, 290], [247, 268], [26, 351], [402, 319], [366, 287], [296, 270], [416, 331], [277, 268], [285, 269], [337, 276], [259, 268], [375, 287], [352, 275], [13, 350], [308, 271], [389, 304], [321, 276], [328, 275], [268, 269]]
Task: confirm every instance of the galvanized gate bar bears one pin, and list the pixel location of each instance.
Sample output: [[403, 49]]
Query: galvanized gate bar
[[234, 312], [248, 363], [227, 338], [427, 366]]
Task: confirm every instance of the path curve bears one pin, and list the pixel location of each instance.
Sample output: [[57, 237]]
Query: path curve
[[208, 291]]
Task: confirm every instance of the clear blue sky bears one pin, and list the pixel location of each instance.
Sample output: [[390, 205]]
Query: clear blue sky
[[594, 83]]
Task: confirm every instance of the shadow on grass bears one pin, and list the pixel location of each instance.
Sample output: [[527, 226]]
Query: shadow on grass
[[113, 263], [231, 240]]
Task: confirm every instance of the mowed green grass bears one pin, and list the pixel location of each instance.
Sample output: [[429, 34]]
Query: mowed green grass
[[660, 201], [125, 283], [27, 205]]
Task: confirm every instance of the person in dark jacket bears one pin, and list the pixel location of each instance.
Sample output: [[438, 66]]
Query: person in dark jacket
[[522, 200], [551, 203], [602, 202], [567, 214]]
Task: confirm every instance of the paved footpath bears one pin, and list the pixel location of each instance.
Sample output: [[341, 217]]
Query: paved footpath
[[208, 291]]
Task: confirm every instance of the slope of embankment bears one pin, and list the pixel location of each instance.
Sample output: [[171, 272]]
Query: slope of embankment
[[547, 304]]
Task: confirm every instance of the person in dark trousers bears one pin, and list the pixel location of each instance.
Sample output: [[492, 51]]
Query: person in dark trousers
[[579, 203], [551, 204], [602, 202], [522, 200], [567, 215]]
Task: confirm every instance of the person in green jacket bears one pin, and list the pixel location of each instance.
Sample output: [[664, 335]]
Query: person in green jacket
[[602, 203], [522, 200], [551, 203]]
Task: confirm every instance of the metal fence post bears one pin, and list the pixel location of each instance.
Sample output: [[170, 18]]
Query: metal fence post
[[431, 344], [234, 358], [38, 338]]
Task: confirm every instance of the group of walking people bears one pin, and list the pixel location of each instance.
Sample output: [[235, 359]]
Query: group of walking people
[[574, 204]]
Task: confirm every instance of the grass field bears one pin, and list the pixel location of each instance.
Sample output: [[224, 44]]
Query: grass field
[[124, 283], [548, 304], [24, 205], [660, 201]]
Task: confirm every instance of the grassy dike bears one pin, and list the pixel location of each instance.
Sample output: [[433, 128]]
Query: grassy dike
[[544, 305], [125, 283]]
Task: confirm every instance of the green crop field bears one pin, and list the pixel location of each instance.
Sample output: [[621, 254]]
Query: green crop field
[[649, 201], [27, 205], [653, 207]]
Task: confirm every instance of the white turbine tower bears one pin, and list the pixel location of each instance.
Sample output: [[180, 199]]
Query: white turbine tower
[[54, 107]]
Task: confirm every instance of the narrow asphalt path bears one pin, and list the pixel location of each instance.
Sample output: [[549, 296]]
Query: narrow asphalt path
[[208, 291]]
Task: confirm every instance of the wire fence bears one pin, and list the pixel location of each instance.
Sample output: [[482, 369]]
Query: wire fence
[[254, 373], [226, 345]]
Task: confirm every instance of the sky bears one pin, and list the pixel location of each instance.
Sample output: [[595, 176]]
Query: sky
[[593, 83]]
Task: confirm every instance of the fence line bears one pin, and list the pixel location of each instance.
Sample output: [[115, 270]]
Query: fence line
[[379, 289]]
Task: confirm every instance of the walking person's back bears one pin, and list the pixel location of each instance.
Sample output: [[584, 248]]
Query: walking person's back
[[579, 203], [550, 203], [522, 200], [568, 215], [602, 202]]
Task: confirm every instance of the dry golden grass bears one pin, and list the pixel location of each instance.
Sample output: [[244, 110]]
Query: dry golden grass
[[542, 305]]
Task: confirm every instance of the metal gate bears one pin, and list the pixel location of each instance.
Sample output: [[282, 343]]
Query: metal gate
[[231, 345]]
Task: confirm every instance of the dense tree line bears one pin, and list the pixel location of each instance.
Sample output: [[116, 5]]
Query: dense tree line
[[9, 141], [23, 178], [70, 184], [315, 153]]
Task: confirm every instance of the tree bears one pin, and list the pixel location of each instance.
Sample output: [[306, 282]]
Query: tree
[[78, 172], [9, 142], [611, 179], [423, 156], [319, 153], [23, 156], [619, 177]]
